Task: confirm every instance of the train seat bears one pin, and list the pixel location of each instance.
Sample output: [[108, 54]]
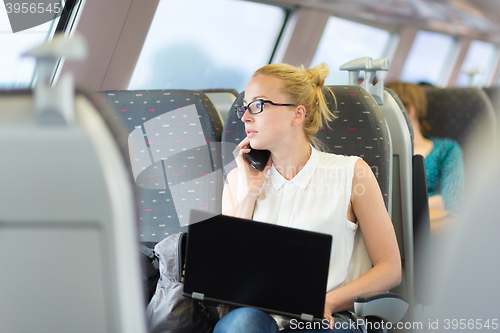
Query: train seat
[[410, 214], [402, 205], [68, 227], [465, 275], [359, 129], [174, 146], [456, 113], [410, 205], [409, 194], [223, 99]]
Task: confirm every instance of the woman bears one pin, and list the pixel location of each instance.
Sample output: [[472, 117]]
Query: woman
[[304, 188], [444, 167]]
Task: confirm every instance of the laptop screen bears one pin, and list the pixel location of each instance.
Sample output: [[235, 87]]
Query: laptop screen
[[246, 263]]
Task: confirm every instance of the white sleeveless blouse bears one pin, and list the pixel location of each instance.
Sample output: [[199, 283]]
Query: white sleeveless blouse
[[316, 199]]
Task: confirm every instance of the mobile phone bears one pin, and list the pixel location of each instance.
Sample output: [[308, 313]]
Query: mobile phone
[[257, 158]]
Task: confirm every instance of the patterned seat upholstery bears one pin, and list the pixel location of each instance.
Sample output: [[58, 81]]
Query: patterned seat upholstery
[[174, 147], [360, 129], [455, 113]]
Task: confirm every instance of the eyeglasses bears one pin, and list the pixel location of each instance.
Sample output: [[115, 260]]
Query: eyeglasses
[[256, 107]]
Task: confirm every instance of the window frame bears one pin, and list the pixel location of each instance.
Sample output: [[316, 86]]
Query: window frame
[[64, 23], [487, 73], [447, 62], [286, 12], [390, 44]]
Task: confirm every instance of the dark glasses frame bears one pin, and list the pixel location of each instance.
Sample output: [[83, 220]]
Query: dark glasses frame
[[240, 109]]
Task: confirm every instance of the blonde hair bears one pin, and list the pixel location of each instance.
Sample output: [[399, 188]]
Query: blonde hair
[[304, 87], [413, 95]]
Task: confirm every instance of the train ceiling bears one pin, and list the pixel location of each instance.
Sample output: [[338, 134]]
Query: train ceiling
[[475, 18]]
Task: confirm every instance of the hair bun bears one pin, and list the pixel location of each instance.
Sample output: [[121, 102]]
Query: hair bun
[[318, 74]]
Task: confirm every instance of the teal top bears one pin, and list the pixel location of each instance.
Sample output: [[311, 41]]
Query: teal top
[[444, 169]]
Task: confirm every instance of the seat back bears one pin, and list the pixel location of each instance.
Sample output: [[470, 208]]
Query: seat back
[[68, 224], [397, 101], [223, 99], [174, 145], [403, 189], [455, 113], [494, 95], [402, 206], [410, 214]]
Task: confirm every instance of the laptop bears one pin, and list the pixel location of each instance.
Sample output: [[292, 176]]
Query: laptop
[[241, 262]]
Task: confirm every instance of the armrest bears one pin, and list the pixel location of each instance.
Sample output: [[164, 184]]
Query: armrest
[[388, 306]]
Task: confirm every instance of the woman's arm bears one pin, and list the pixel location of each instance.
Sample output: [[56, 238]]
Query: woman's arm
[[367, 206], [442, 206]]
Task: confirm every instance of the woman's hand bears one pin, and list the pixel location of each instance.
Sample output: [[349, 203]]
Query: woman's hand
[[254, 178], [329, 309], [252, 182]]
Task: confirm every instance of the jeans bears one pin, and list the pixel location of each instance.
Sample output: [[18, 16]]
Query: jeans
[[250, 320]]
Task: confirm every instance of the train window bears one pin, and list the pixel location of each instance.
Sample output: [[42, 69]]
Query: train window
[[479, 55], [336, 47], [197, 44], [424, 66], [17, 72]]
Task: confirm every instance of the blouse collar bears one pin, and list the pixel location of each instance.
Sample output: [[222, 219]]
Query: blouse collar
[[302, 178]]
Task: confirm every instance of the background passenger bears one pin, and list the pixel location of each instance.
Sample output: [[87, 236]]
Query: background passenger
[[302, 187], [444, 167]]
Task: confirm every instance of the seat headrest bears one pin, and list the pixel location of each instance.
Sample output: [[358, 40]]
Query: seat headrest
[[455, 112]]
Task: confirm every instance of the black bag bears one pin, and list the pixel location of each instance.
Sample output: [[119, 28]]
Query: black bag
[[169, 311]]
